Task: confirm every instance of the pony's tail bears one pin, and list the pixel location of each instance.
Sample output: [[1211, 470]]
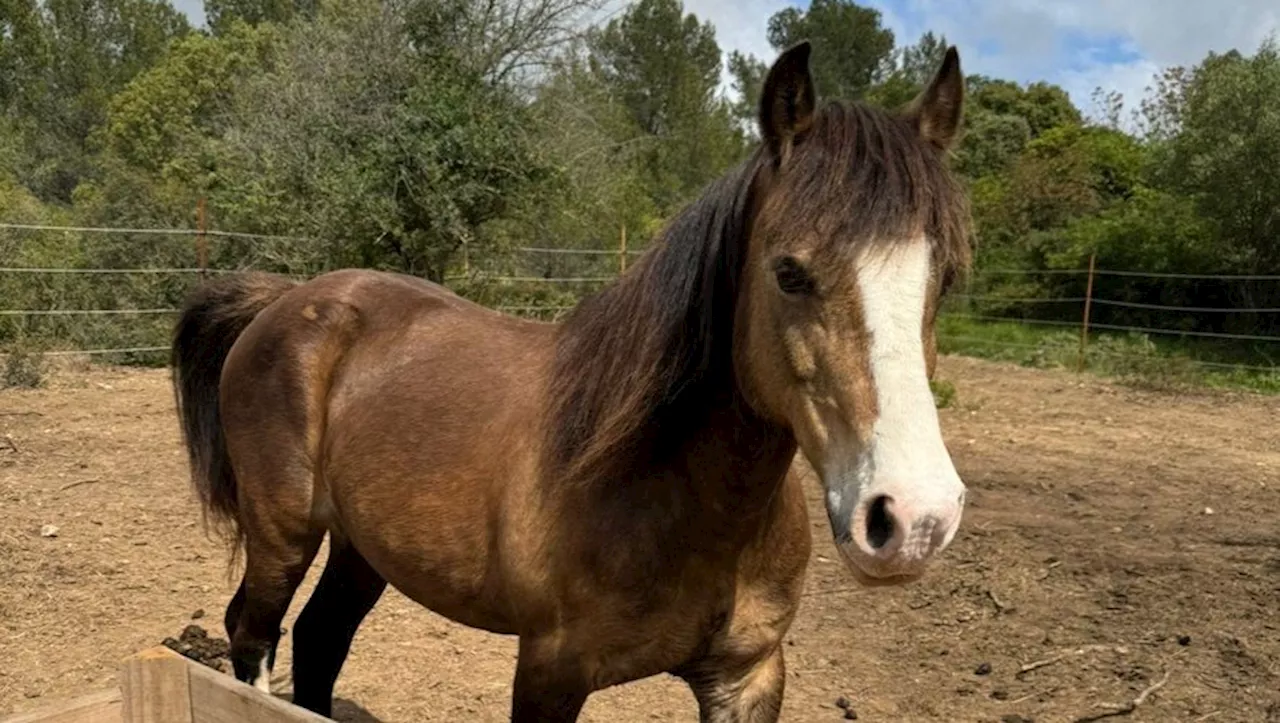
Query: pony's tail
[[212, 318]]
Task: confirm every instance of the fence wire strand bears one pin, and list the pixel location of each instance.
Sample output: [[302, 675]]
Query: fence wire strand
[[1186, 309], [275, 237], [82, 312], [1022, 300], [154, 232], [1140, 274], [977, 299], [100, 352], [1178, 332], [70, 270]]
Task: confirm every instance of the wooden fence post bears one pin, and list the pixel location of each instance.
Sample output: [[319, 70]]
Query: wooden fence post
[[1088, 302], [622, 252], [156, 688], [160, 686], [202, 243]]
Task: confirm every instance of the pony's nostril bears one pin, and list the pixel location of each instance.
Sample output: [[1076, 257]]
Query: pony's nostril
[[880, 524]]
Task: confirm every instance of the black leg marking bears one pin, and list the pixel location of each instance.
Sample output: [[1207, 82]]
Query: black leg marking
[[234, 609], [347, 591]]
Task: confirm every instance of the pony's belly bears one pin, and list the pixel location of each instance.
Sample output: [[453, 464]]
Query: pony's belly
[[435, 565], [424, 525], [478, 611]]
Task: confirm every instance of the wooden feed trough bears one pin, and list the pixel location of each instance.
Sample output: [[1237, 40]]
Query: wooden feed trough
[[159, 686]]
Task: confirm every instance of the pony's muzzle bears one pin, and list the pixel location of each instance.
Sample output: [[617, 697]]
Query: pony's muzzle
[[889, 539]]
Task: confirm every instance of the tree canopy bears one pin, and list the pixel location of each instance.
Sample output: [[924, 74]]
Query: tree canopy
[[432, 135]]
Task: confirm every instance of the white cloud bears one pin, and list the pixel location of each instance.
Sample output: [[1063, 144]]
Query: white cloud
[[1084, 44], [740, 24], [1070, 42], [1025, 40]]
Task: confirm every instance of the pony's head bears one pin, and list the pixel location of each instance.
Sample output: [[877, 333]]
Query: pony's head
[[857, 230]]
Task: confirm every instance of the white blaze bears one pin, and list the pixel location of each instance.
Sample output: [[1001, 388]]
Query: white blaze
[[908, 459]]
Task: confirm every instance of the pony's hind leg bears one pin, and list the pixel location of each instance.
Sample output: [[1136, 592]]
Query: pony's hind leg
[[347, 591], [276, 560], [232, 619]]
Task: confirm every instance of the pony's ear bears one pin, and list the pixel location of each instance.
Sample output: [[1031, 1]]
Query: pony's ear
[[939, 108], [788, 101]]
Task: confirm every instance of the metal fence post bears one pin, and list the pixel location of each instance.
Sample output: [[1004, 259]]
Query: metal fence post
[[1088, 302], [622, 251], [202, 242]]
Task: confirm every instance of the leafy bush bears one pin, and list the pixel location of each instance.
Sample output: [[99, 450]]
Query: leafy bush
[[23, 369]]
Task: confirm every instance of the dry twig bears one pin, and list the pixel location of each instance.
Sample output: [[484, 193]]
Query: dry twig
[[1000, 607], [1036, 665], [1119, 710], [1034, 694], [1048, 569], [77, 483]]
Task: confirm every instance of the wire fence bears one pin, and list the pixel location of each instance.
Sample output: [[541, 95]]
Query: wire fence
[[975, 320]]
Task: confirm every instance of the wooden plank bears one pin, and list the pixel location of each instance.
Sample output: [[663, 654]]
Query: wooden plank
[[101, 707], [219, 698], [156, 687]]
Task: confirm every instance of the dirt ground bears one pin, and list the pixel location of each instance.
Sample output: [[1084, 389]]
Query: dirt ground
[[1115, 539]]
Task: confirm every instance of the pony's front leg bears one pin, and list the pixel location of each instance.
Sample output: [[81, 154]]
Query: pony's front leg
[[738, 692], [549, 686]]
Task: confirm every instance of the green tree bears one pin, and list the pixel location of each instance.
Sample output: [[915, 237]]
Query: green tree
[[158, 139], [24, 57], [1068, 174], [851, 49], [72, 56], [1218, 133], [918, 63], [221, 15], [1073, 171], [992, 143], [397, 158], [168, 111], [505, 40], [1160, 112], [907, 72], [748, 74], [664, 67], [601, 161], [1152, 230], [1043, 105]]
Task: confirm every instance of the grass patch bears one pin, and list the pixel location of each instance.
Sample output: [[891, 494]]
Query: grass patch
[[1133, 359], [944, 393]]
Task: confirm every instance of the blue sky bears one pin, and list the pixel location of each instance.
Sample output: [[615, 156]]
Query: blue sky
[[1079, 44], [193, 8]]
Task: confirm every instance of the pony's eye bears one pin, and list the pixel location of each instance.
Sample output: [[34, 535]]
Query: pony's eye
[[792, 277]]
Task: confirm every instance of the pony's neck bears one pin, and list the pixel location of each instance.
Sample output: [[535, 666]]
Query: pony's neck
[[643, 372]]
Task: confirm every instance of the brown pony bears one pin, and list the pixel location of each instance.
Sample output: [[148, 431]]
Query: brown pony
[[614, 489]]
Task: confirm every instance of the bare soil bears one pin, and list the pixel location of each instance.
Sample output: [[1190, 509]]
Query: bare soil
[[1115, 539]]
